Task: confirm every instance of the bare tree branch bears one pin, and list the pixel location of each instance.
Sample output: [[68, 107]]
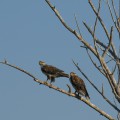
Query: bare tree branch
[[96, 21], [62, 91], [108, 73]]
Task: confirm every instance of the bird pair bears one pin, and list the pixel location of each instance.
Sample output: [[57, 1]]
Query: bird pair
[[52, 72]]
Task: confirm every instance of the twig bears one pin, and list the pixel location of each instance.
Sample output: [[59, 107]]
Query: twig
[[110, 42], [102, 89], [114, 69], [77, 25], [114, 10], [116, 25], [110, 11], [95, 30], [115, 102], [13, 66], [69, 88], [112, 58], [96, 19]]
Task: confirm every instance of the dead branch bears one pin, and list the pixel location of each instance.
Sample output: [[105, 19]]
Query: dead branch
[[61, 90], [108, 73]]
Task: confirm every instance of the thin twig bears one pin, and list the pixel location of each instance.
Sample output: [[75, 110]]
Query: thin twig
[[77, 25], [13, 66], [110, 11], [102, 89], [116, 25], [114, 10], [69, 88], [114, 69], [95, 25], [110, 42]]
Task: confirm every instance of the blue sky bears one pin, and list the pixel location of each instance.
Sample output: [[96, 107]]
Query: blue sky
[[29, 32]]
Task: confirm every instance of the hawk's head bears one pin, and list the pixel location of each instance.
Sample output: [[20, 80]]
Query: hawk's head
[[72, 74], [41, 63]]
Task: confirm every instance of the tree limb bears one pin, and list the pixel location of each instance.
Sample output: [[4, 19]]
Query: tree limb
[[62, 91]]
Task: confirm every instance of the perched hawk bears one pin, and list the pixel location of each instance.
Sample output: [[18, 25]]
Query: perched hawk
[[78, 85], [52, 72]]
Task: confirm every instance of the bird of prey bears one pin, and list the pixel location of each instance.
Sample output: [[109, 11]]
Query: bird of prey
[[78, 85], [51, 72]]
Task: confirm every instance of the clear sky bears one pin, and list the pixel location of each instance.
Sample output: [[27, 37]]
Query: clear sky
[[29, 32]]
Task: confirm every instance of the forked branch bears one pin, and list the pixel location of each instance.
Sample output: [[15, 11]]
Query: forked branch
[[95, 87], [108, 73]]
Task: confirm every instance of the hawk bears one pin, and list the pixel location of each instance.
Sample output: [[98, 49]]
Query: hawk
[[78, 85], [52, 72]]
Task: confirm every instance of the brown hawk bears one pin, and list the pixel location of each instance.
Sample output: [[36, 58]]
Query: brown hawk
[[52, 72], [78, 85]]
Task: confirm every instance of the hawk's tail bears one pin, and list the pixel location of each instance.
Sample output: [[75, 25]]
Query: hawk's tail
[[87, 96], [64, 75]]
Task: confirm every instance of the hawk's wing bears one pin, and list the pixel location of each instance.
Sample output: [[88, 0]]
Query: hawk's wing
[[79, 86], [78, 83], [49, 69]]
